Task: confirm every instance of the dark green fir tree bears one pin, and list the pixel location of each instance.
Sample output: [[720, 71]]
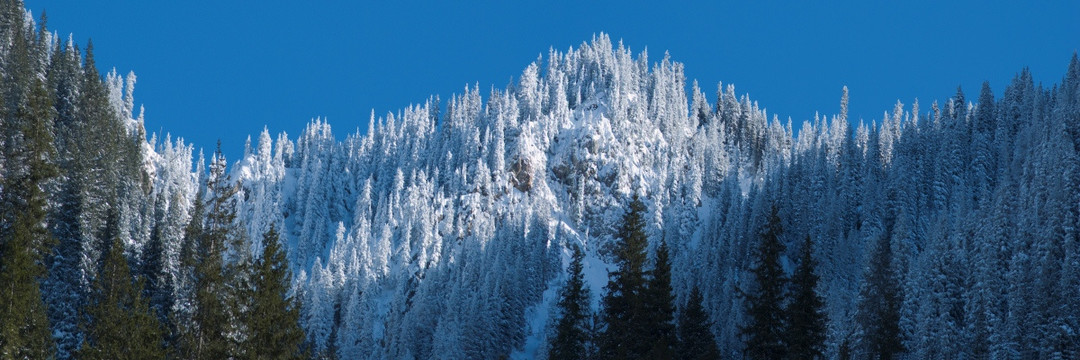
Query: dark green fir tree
[[207, 335], [695, 340], [879, 305], [119, 321], [274, 320], [765, 330], [624, 315], [571, 332], [660, 308], [24, 240], [157, 284], [182, 340], [806, 316]]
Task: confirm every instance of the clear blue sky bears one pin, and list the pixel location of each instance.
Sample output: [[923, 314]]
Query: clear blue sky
[[224, 69]]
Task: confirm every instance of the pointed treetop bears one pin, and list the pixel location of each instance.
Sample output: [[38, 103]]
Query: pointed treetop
[[89, 64], [844, 104]]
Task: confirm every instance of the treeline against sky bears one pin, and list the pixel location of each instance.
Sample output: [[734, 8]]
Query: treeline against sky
[[448, 229]]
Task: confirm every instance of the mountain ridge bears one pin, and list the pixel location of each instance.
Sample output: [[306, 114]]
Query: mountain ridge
[[445, 233]]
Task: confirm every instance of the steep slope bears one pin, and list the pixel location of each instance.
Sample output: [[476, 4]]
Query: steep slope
[[438, 229], [442, 232]]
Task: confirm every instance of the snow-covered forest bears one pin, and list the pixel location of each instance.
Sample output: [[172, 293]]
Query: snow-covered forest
[[447, 229]]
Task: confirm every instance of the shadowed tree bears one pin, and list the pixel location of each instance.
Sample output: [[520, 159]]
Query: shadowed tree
[[571, 332], [806, 317], [695, 340], [765, 331], [879, 305], [624, 315], [660, 305], [207, 334]]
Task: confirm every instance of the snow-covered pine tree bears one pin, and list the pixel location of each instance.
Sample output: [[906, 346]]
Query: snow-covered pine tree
[[878, 314]]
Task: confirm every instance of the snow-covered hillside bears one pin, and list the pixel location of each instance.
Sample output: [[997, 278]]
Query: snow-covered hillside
[[437, 225], [445, 230]]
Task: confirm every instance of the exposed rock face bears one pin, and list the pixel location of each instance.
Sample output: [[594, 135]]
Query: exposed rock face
[[522, 175]]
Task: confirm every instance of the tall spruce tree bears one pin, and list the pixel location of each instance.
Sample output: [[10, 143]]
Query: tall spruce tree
[[764, 333], [157, 286], [660, 308], [182, 314], [207, 336], [26, 167], [624, 316], [119, 321], [571, 332], [240, 293], [64, 293], [24, 240], [274, 320], [806, 316], [96, 170], [695, 340], [879, 305]]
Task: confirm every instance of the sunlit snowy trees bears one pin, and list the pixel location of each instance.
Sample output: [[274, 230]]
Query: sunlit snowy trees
[[942, 229]]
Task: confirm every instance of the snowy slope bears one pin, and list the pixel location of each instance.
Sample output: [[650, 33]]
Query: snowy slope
[[443, 232], [449, 227]]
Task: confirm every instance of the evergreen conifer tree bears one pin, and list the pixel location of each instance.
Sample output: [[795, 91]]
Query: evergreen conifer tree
[[26, 168], [660, 307], [120, 323], [624, 315], [274, 320], [24, 241], [65, 294], [157, 285], [240, 294], [879, 305], [571, 332], [764, 333], [183, 312], [96, 162], [695, 340], [806, 317], [209, 330]]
